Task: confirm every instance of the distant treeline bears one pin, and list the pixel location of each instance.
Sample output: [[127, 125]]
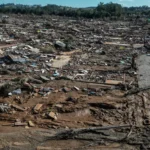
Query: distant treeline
[[110, 10]]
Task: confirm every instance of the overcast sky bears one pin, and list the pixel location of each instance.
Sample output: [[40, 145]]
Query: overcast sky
[[79, 3]]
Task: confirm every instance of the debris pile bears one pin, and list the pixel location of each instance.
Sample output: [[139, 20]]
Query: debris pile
[[72, 73]]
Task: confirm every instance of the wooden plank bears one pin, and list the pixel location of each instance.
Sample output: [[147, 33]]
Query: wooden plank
[[113, 82], [43, 148]]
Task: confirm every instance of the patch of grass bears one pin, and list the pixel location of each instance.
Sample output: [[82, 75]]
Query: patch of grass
[[48, 50], [122, 48]]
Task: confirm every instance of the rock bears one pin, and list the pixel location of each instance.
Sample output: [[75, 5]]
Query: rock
[[31, 124], [52, 115], [58, 105], [26, 127], [37, 107], [55, 91]]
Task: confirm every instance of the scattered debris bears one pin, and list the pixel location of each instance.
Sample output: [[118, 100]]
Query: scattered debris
[[4, 108], [82, 69], [113, 82], [20, 124], [17, 107]]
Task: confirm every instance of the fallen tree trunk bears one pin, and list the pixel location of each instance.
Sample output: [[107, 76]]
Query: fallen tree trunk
[[70, 134]]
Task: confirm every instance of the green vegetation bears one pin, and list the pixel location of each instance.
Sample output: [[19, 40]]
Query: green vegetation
[[48, 49], [122, 48], [109, 10]]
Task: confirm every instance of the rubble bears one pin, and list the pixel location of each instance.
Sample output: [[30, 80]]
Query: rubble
[[113, 82], [81, 69], [31, 124], [37, 107], [4, 108], [20, 124], [52, 115], [76, 88], [60, 44], [18, 107]]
